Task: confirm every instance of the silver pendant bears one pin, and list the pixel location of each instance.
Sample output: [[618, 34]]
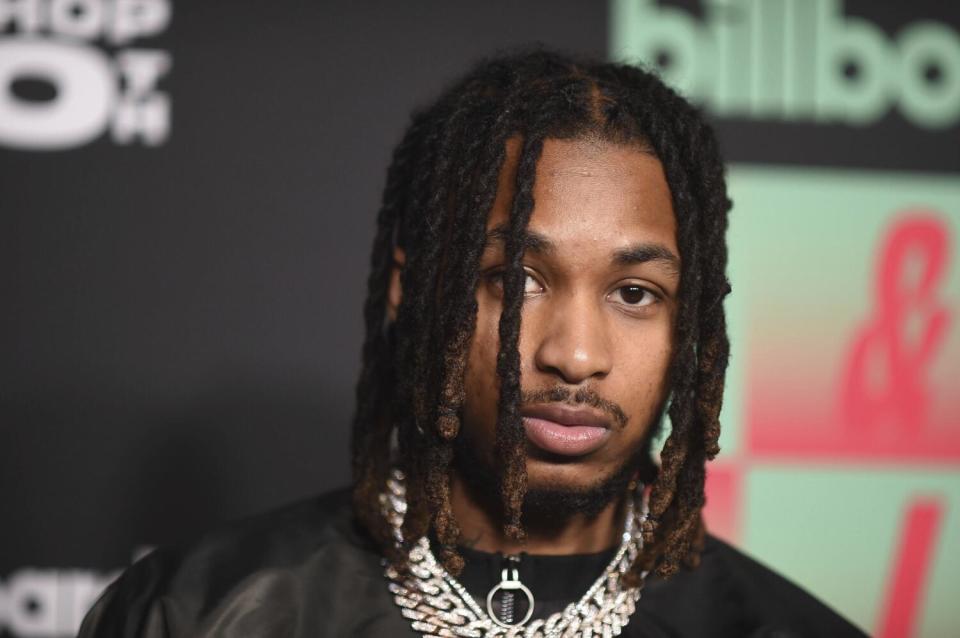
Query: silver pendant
[[509, 585]]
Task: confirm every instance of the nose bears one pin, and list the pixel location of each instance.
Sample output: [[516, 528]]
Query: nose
[[573, 343]]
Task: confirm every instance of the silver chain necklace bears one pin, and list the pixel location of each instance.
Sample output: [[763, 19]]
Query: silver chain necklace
[[438, 605]]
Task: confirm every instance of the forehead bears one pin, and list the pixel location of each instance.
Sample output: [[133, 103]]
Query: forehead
[[590, 192]]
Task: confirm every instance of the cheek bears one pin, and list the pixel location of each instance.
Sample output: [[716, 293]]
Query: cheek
[[653, 357], [642, 378], [651, 372]]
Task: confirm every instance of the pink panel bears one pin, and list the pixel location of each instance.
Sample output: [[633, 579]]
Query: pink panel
[[881, 409], [901, 609], [723, 493]]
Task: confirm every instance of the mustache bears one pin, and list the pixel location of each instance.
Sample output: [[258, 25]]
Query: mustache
[[583, 396]]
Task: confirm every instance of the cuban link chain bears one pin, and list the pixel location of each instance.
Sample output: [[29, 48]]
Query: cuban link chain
[[438, 605]]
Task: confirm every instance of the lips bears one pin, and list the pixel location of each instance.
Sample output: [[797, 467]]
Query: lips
[[565, 430]]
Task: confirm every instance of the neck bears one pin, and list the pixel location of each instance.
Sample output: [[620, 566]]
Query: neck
[[481, 526]]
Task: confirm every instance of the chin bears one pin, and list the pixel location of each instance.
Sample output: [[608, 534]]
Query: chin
[[557, 489], [560, 490], [576, 474]]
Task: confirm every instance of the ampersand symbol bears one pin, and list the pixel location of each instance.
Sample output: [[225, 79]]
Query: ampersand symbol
[[885, 383]]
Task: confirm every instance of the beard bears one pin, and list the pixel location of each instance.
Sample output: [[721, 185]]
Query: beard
[[546, 505]]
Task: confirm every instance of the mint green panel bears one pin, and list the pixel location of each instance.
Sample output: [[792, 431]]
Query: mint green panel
[[835, 531]]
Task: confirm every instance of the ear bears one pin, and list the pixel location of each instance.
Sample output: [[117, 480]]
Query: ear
[[395, 292]]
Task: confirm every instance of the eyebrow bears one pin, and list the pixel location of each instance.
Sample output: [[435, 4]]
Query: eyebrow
[[640, 253], [646, 252], [532, 240]]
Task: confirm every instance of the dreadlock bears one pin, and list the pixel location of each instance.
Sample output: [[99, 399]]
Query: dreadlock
[[440, 188]]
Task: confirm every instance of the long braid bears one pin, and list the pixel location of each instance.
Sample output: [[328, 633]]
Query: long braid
[[509, 434], [420, 279], [455, 324], [706, 364], [440, 371], [700, 360], [552, 113], [371, 427], [459, 320]]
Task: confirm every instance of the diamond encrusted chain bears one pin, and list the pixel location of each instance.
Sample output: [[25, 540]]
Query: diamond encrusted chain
[[438, 605]]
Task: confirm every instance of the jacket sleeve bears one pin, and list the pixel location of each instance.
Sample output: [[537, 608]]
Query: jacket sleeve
[[132, 606]]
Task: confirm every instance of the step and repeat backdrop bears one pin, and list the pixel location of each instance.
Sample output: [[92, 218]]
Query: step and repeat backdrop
[[187, 196]]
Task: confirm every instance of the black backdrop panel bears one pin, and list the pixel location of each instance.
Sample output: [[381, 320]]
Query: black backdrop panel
[[182, 322]]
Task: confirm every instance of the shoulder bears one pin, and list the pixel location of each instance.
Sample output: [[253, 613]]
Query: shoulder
[[251, 574], [735, 594]]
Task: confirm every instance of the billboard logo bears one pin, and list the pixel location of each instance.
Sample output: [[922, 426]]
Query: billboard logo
[[67, 75], [795, 60]]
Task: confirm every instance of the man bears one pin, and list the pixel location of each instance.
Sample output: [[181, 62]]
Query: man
[[547, 281]]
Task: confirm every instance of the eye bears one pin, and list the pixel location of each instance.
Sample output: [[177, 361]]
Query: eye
[[530, 284], [634, 295]]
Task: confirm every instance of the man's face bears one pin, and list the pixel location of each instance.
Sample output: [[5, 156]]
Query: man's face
[[597, 321]]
